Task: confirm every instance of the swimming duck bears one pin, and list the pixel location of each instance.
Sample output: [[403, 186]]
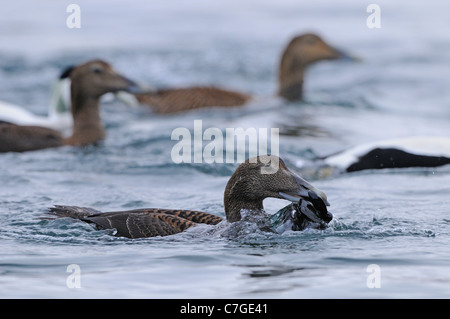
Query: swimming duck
[[89, 81], [302, 51], [417, 151], [243, 198], [59, 116]]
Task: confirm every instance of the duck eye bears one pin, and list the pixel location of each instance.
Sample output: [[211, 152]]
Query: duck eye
[[97, 70]]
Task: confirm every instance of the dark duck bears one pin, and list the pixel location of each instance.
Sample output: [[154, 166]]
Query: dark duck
[[407, 152], [89, 81], [301, 52], [243, 199]]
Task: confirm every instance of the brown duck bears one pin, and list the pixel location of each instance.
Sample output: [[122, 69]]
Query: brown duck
[[244, 192], [89, 81], [302, 51]]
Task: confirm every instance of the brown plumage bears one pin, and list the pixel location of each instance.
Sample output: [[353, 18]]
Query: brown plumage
[[301, 52], [184, 99], [18, 138], [89, 81], [247, 188], [139, 223]]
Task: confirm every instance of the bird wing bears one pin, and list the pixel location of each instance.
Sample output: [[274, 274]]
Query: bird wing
[[191, 215], [139, 223]]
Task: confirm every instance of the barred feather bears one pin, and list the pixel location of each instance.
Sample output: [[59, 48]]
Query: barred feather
[[138, 223]]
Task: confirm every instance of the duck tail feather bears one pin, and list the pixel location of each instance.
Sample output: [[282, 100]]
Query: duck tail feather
[[72, 211]]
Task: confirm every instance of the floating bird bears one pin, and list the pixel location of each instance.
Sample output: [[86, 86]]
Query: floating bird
[[243, 200], [89, 81], [419, 151], [59, 116], [302, 51]]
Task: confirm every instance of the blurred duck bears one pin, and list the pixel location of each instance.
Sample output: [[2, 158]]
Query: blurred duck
[[417, 151], [243, 201], [59, 116], [89, 81], [302, 51]]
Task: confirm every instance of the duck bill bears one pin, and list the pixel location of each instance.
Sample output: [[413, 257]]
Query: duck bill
[[129, 96], [341, 55], [131, 86], [305, 191]]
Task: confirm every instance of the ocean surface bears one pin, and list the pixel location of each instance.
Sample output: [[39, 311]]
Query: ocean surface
[[391, 232]]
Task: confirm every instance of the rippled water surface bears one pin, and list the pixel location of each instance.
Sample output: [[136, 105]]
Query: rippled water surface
[[398, 220]]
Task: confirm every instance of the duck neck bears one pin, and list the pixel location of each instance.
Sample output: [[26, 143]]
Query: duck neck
[[291, 83], [234, 206], [87, 125]]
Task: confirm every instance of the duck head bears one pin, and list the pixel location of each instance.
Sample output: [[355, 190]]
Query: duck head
[[95, 78], [308, 48], [252, 182], [302, 51], [125, 96], [89, 81]]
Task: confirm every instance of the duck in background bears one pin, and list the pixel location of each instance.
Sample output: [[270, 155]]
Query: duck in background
[[59, 116], [89, 81], [243, 203], [301, 52], [419, 151]]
